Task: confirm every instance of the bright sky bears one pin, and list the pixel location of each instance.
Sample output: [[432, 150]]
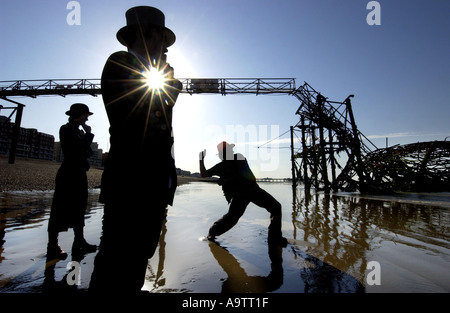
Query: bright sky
[[399, 71]]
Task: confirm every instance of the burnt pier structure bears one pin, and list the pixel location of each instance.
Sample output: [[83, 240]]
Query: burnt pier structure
[[334, 155], [328, 152]]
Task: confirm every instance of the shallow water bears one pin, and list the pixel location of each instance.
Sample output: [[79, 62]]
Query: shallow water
[[333, 238]]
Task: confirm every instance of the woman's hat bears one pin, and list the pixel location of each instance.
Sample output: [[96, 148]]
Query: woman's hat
[[144, 17], [77, 109]]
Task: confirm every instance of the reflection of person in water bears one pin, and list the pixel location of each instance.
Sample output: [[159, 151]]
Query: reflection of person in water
[[71, 188], [239, 282], [321, 277], [139, 179], [240, 188]]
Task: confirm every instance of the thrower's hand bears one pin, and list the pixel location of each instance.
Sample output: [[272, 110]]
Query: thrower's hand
[[203, 171]]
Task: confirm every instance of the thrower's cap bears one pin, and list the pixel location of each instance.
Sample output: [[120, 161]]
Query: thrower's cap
[[224, 146], [77, 109], [146, 18]]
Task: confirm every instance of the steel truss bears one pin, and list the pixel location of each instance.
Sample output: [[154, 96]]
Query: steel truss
[[333, 153], [49, 87], [223, 86], [332, 147]]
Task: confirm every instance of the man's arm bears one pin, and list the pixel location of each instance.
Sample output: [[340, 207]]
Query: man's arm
[[203, 171]]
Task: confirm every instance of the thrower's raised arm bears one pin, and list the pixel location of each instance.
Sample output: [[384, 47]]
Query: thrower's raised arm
[[203, 171]]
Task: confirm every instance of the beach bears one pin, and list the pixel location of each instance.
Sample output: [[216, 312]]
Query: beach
[[338, 243], [32, 174]]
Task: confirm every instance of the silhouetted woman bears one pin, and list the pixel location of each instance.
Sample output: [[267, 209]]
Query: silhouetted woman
[[71, 189]]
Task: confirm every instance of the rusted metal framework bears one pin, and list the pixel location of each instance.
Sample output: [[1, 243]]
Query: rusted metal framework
[[332, 148], [49, 87], [223, 86], [230, 86], [422, 166], [64, 87], [331, 152], [335, 155]]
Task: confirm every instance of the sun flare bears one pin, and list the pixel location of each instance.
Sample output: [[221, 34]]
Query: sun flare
[[154, 79]]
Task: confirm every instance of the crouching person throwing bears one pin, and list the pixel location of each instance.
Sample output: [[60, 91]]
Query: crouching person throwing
[[240, 188]]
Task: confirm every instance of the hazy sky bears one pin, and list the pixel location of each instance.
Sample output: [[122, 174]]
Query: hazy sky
[[399, 71]]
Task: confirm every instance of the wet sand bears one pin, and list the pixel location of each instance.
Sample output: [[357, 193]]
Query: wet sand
[[333, 240]]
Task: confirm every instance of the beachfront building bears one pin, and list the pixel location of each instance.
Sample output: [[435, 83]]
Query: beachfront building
[[95, 160], [31, 143]]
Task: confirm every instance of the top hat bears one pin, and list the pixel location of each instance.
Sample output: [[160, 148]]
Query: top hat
[[144, 17], [224, 146], [77, 109]]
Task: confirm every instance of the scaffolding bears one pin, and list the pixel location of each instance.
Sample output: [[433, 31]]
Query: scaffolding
[[332, 148], [223, 86], [65, 87], [328, 152], [335, 155]]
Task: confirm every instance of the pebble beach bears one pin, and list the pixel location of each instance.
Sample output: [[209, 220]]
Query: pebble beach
[[39, 175]]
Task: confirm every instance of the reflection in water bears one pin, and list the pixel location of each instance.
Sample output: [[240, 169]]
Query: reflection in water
[[23, 221], [332, 239], [339, 232], [347, 232], [239, 281], [320, 277], [52, 285], [157, 279]]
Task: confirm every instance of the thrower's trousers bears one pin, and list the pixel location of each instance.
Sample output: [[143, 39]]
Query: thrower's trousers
[[237, 208]]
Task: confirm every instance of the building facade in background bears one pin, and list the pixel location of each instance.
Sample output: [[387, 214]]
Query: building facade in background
[[36, 145], [31, 144]]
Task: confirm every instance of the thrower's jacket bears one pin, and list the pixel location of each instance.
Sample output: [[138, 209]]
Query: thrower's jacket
[[140, 159], [236, 177]]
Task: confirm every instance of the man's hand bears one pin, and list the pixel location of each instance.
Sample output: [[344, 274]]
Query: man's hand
[[202, 155], [168, 71]]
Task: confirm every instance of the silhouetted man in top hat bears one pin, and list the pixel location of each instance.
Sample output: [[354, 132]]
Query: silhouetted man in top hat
[[139, 179], [240, 188]]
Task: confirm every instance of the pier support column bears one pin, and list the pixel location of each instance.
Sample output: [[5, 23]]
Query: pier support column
[[16, 131], [294, 179]]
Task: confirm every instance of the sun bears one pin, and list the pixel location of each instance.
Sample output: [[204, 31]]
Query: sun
[[154, 79]]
